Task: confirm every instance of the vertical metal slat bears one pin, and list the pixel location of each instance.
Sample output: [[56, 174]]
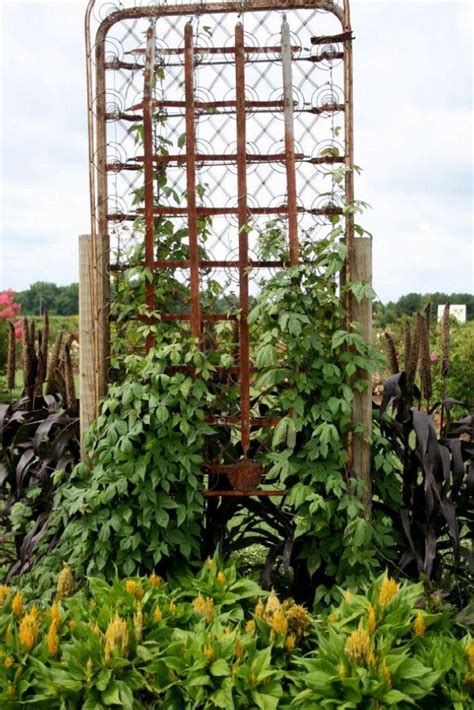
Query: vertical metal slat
[[148, 149], [191, 180], [243, 237], [286, 59]]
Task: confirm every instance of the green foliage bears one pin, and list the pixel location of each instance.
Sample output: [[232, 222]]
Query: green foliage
[[217, 640], [41, 295], [140, 505]]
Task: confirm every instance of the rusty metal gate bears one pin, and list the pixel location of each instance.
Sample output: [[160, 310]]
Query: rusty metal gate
[[220, 119]]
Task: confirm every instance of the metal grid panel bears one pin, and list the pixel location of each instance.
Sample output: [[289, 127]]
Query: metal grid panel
[[243, 112]]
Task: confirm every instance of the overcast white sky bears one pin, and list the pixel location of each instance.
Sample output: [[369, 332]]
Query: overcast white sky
[[413, 82]]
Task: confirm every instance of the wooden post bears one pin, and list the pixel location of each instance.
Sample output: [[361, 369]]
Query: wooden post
[[86, 338], [362, 407]]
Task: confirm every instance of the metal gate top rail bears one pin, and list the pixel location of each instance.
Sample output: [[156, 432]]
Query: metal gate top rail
[[244, 112]]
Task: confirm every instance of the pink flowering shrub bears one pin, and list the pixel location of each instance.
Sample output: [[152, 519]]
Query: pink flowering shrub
[[9, 310]]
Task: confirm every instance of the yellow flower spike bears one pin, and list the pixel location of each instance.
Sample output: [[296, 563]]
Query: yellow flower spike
[[371, 621], [66, 584], [138, 625], [72, 624], [386, 675], [273, 604], [52, 642], [209, 652], [96, 630], [347, 596], [155, 580], [134, 588], [299, 619], [419, 625], [290, 642], [332, 618], [55, 612], [259, 609], [8, 662], [239, 648], [89, 667], [116, 637], [92, 603], [204, 606], [171, 607], [470, 654], [388, 590], [250, 627], [278, 622], [221, 577], [28, 630], [4, 590], [157, 614], [357, 648], [210, 563], [17, 604], [371, 659]]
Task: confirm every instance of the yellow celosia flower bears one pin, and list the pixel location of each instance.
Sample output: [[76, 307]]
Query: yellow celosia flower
[[209, 652], [357, 647], [52, 642], [155, 580], [250, 626], [66, 585], [28, 630], [130, 585], [386, 675], [332, 618], [72, 624], [290, 642], [116, 637], [171, 607], [158, 614], [259, 609], [204, 606], [8, 662], [299, 619], [55, 612], [239, 648], [387, 591], [273, 604], [371, 659], [221, 577], [470, 654], [17, 604], [4, 589], [138, 625], [278, 622], [371, 621], [419, 625], [210, 563]]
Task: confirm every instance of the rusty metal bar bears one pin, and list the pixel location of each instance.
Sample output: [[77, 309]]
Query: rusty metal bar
[[325, 56], [216, 50], [148, 148], [235, 421], [243, 217], [203, 211], [191, 180], [208, 104], [289, 141], [218, 157], [332, 39]]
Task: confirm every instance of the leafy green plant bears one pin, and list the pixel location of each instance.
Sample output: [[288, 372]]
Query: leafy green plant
[[217, 640]]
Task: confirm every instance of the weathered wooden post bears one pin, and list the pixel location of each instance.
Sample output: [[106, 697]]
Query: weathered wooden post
[[86, 338], [362, 407]]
